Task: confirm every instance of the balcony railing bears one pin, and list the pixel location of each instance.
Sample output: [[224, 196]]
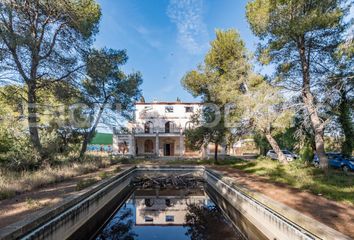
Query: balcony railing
[[156, 130]]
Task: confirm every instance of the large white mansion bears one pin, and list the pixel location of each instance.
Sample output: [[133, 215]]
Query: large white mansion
[[157, 130]]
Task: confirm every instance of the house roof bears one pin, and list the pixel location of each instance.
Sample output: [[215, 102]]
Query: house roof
[[168, 103]]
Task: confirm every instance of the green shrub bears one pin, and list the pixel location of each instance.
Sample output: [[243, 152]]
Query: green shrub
[[6, 193], [125, 160], [264, 158], [306, 154], [6, 140], [21, 156], [115, 159], [33, 203], [84, 183], [104, 175]]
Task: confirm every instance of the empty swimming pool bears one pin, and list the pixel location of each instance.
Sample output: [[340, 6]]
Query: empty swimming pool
[[169, 202]]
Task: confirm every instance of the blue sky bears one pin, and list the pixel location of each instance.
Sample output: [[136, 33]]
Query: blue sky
[[166, 38]]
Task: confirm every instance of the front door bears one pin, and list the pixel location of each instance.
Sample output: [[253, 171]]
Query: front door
[[167, 149]]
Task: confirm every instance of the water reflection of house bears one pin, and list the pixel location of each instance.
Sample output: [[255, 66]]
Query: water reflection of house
[[165, 207]]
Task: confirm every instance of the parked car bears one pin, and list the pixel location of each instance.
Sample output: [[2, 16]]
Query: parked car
[[337, 160], [289, 155]]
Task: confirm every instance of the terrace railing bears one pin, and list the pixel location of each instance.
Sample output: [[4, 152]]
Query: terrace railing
[[139, 130]]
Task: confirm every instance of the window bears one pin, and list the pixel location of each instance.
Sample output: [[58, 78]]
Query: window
[[148, 202], [148, 127], [167, 127], [168, 109], [170, 218], [189, 109], [148, 219]]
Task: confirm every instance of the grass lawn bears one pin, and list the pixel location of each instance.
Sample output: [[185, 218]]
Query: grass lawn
[[336, 185]]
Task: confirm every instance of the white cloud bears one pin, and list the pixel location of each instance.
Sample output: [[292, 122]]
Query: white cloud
[[188, 17], [148, 37]]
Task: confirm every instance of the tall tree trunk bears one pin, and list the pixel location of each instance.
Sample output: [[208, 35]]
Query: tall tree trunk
[[276, 148], [89, 135], [346, 123], [309, 102], [318, 128], [32, 116], [216, 153], [204, 151]]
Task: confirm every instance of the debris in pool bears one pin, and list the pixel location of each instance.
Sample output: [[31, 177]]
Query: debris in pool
[[186, 180]]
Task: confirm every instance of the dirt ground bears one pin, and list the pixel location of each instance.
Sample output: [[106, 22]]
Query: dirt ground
[[15, 209], [336, 215], [339, 216]]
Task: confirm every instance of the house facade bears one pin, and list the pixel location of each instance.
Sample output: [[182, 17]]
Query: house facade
[[157, 130]]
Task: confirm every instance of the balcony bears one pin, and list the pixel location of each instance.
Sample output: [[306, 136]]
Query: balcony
[[154, 130]]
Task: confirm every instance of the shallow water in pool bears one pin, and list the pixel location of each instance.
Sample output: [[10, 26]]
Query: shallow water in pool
[[168, 214]]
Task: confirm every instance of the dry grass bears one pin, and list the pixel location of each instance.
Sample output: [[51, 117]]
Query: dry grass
[[12, 183], [84, 183], [336, 185], [33, 203]]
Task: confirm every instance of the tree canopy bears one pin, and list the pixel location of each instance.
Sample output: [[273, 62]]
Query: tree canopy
[[107, 87], [301, 38], [226, 60], [41, 42]]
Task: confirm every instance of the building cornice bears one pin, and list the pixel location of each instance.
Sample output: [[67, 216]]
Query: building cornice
[[169, 103]]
